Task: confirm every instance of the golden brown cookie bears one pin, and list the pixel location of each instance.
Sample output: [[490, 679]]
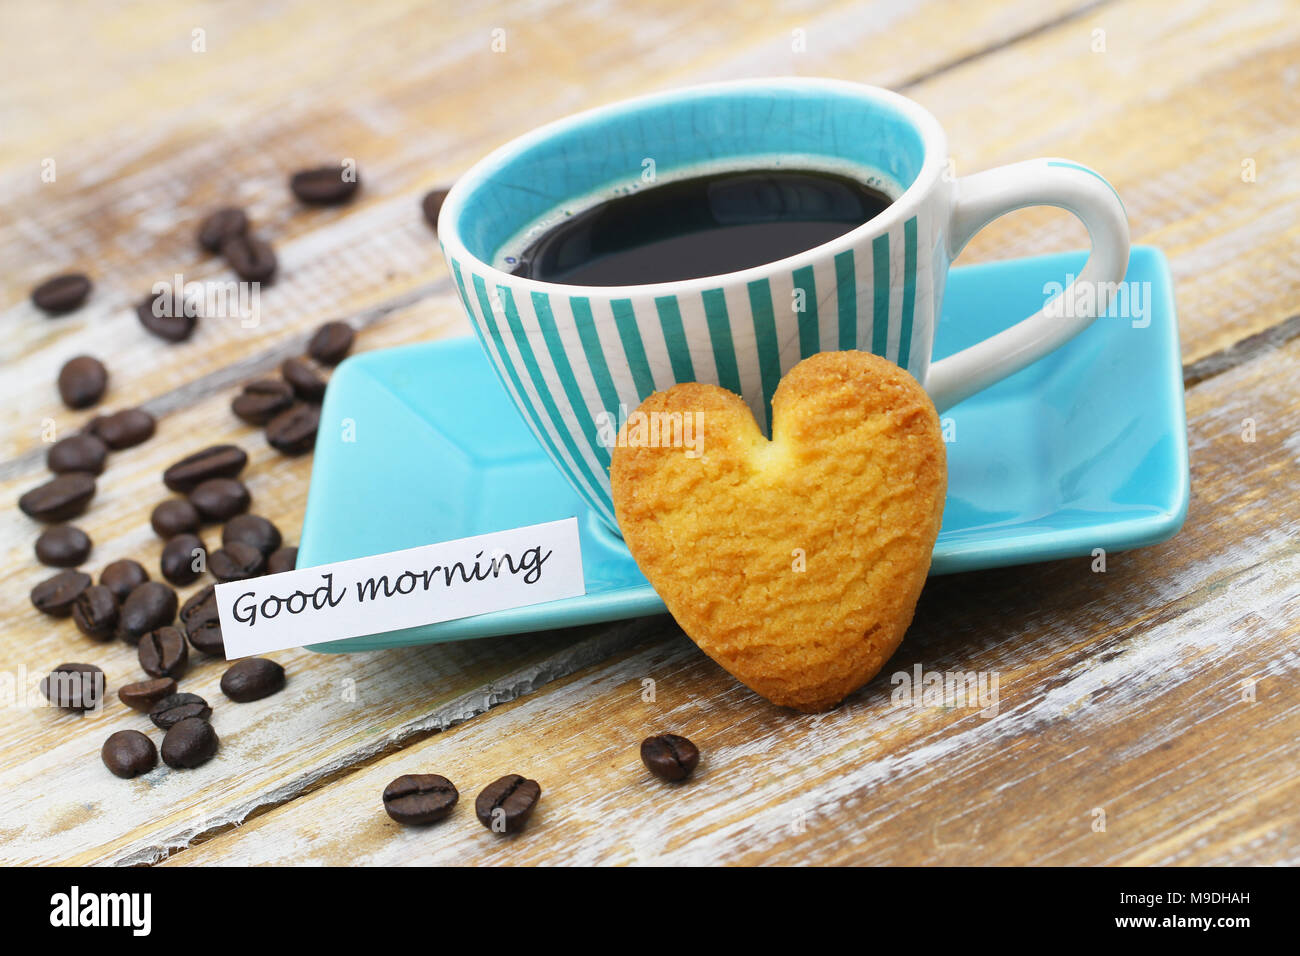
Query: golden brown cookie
[[796, 564]]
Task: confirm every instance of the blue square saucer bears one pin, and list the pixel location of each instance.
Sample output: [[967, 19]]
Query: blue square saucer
[[1085, 449]]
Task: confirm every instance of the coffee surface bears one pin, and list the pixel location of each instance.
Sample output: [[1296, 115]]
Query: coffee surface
[[701, 226]]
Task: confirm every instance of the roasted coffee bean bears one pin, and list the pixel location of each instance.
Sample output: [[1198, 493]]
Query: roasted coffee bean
[[306, 384], [74, 686], [183, 559], [95, 612], [251, 529], [164, 653], [82, 381], [174, 708], [59, 498], [124, 429], [505, 805], [252, 259], [201, 623], [219, 461], [431, 205], [129, 753], [61, 294], [188, 744], [144, 694], [252, 679], [221, 225], [285, 559], [220, 498], [419, 798], [294, 432], [122, 577], [262, 400], [669, 756], [55, 595], [82, 452], [150, 606], [236, 562], [174, 516], [326, 185], [63, 546], [155, 314], [331, 343]]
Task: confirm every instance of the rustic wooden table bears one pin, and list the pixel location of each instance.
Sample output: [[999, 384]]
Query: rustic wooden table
[[1155, 693]]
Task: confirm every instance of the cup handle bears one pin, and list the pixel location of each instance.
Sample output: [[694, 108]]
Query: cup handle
[[983, 197]]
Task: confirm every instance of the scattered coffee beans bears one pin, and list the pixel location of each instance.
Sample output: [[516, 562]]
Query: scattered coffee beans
[[63, 546], [221, 225], [252, 679], [505, 805], [431, 205], [419, 798], [183, 559], [306, 384], [669, 756], [188, 744], [124, 429], [95, 612], [54, 596], [123, 576], [61, 294], [154, 313], [201, 623], [81, 452], [331, 343], [262, 400], [294, 432], [144, 694], [251, 529], [326, 185], [220, 498], [236, 562], [74, 686], [59, 498], [173, 517], [129, 753], [171, 710], [219, 461], [150, 606], [252, 259], [82, 381], [164, 653], [285, 559]]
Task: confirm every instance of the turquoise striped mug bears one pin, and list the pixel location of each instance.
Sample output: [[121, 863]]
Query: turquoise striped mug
[[576, 358]]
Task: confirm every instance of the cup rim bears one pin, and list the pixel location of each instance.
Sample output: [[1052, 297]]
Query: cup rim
[[904, 207]]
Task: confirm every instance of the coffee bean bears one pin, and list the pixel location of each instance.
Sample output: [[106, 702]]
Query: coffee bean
[[189, 744], [82, 381], [174, 516], [252, 259], [419, 798], [150, 606], [83, 452], [331, 343], [505, 805], [60, 498], [202, 624], [62, 293], [306, 384], [171, 710], [262, 400], [154, 313], [326, 185], [74, 686], [122, 577], [124, 429], [144, 694], [252, 679], [221, 225], [55, 595], [63, 546], [180, 555], [164, 653], [220, 498], [251, 529], [236, 562], [294, 432], [431, 205], [218, 461], [285, 559], [669, 756], [129, 753], [95, 612]]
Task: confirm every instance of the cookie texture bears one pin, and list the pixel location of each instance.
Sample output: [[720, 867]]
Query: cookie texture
[[796, 564]]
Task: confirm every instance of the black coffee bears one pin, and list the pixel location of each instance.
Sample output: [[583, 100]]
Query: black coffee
[[702, 226]]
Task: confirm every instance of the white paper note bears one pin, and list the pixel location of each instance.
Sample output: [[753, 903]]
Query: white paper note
[[388, 592]]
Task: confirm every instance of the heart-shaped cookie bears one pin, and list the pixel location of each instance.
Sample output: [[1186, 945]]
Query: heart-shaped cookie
[[796, 564]]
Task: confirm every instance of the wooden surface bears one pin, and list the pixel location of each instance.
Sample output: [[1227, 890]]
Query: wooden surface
[[1160, 692]]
